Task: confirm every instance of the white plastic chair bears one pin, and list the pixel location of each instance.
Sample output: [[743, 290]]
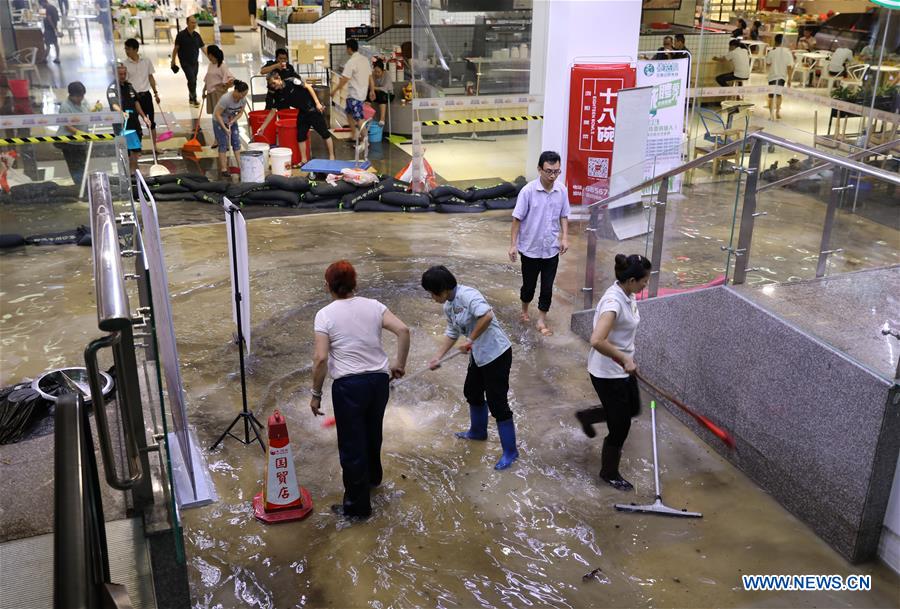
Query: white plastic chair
[[803, 66], [24, 61], [758, 56], [855, 75]]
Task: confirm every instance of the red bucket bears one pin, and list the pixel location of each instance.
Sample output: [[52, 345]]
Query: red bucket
[[18, 87], [257, 118], [287, 133]]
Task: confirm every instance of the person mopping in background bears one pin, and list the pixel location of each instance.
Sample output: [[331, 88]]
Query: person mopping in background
[[490, 360], [123, 98], [611, 365], [229, 109], [140, 75]]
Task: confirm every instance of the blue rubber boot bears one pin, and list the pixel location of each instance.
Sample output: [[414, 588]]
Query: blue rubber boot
[[478, 417], [507, 431]]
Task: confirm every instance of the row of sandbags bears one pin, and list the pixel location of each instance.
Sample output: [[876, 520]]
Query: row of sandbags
[[80, 235]]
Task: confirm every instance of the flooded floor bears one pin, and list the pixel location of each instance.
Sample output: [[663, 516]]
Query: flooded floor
[[447, 530]]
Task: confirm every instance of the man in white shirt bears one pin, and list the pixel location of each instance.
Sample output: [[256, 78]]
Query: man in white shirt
[[358, 75], [740, 64], [140, 75], [779, 61], [837, 66]]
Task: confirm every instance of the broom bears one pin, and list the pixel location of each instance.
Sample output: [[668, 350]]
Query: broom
[[167, 134], [193, 145]]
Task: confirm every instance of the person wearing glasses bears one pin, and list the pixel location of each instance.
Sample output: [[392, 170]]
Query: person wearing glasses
[[539, 234], [612, 367]]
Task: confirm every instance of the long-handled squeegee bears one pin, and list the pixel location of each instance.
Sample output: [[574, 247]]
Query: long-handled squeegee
[[657, 507]]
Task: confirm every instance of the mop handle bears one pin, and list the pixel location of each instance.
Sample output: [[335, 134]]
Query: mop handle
[[446, 358], [199, 116], [655, 459]]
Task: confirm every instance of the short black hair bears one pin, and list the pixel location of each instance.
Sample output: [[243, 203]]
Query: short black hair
[[779, 38], [132, 43], [734, 43], [378, 64], [76, 88], [280, 52], [240, 86], [679, 37], [548, 156], [438, 279], [216, 53], [632, 267], [353, 45]]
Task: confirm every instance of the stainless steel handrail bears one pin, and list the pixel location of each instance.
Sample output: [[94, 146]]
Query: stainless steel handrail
[[112, 300], [817, 168], [760, 135]]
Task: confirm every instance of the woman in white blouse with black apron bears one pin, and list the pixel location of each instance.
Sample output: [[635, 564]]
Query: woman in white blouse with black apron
[[611, 364]]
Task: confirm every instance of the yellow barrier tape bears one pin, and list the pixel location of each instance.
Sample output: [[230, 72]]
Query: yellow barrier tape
[[486, 119], [56, 139]]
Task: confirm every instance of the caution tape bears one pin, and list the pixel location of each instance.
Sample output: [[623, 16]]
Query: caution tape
[[486, 119], [57, 139]]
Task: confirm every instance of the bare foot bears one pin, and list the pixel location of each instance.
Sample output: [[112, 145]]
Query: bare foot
[[524, 318], [545, 331]]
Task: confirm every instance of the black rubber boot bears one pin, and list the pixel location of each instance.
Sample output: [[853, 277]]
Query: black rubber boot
[[589, 417], [609, 468]]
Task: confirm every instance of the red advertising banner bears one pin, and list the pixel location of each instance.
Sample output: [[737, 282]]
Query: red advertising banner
[[593, 95]]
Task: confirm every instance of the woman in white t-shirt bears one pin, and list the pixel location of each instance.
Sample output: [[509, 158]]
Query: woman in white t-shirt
[[611, 364], [348, 347]]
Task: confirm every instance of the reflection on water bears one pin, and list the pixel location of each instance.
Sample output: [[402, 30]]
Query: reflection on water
[[447, 530]]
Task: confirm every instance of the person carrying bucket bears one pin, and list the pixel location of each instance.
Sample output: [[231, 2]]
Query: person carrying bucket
[[348, 347], [229, 109], [611, 364], [295, 93], [122, 97], [490, 360]]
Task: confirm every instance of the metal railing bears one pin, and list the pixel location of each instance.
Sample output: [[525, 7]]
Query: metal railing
[[755, 140]]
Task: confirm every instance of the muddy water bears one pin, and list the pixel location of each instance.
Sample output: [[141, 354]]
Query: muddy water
[[447, 530]]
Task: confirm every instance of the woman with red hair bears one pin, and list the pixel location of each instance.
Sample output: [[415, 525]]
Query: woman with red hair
[[348, 347]]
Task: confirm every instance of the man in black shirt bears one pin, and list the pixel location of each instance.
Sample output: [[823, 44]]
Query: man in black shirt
[[279, 64], [294, 93], [680, 51], [188, 45]]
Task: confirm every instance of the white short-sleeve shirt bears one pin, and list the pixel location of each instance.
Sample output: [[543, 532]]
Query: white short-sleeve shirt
[[357, 69], [838, 59], [740, 62], [139, 73], [353, 327], [779, 61], [622, 334]]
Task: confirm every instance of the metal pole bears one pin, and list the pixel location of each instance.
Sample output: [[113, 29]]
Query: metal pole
[[659, 229], [745, 237], [837, 190], [240, 327], [590, 263], [655, 457]]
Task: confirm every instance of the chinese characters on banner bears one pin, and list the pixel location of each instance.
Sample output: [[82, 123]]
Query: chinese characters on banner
[[593, 94], [669, 79]]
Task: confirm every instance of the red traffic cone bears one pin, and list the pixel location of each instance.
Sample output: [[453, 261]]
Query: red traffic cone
[[282, 499]]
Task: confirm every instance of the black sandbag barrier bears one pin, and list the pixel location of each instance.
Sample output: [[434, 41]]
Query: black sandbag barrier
[[445, 192], [236, 191], [494, 192], [460, 208], [68, 237], [293, 184], [195, 186], [373, 192], [325, 190], [500, 203], [167, 189], [215, 198], [375, 206], [406, 199], [42, 192], [174, 178], [332, 203], [418, 210], [11, 240], [281, 198], [174, 196], [519, 183]]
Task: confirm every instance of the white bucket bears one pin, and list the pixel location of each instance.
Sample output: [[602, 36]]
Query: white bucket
[[280, 159], [264, 148], [252, 167]]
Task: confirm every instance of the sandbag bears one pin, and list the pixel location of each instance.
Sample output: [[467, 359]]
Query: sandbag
[[504, 189], [327, 191], [236, 191], [282, 198], [62, 238], [375, 206], [174, 196], [11, 240], [460, 208], [167, 189], [215, 198], [197, 186], [445, 192], [174, 178], [284, 183], [310, 197], [417, 210], [500, 203], [519, 183], [406, 199], [371, 193], [332, 203]]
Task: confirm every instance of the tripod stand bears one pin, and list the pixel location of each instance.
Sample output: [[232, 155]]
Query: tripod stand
[[250, 421]]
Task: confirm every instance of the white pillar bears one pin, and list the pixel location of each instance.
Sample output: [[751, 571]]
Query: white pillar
[[563, 30]]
